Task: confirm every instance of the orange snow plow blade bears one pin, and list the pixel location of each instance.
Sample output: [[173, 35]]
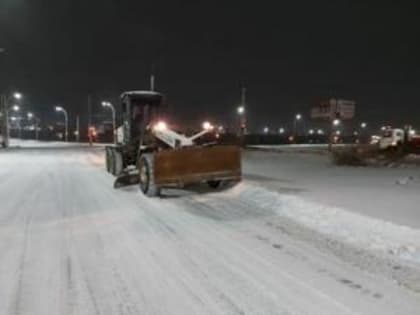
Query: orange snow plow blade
[[197, 164]]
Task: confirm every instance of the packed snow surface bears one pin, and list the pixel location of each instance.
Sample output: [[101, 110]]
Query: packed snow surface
[[71, 244]]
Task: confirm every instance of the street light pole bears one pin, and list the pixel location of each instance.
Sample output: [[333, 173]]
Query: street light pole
[[5, 121], [114, 123], [4, 106], [66, 120]]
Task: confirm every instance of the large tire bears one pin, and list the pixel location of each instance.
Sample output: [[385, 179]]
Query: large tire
[[108, 159], [147, 176], [118, 164], [114, 161]]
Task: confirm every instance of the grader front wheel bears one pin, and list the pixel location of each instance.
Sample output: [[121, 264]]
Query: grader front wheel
[[147, 177]]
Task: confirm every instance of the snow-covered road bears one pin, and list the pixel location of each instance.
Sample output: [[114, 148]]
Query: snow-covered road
[[71, 244]]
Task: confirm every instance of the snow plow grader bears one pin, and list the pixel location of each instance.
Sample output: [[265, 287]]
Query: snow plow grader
[[152, 155]]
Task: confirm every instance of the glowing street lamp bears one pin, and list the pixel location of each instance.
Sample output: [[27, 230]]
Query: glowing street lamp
[[363, 125], [16, 108], [298, 117], [336, 122], [281, 131], [66, 119], [266, 130], [241, 110], [17, 95], [30, 115], [114, 130]]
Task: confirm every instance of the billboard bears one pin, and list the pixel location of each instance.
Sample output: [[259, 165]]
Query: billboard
[[334, 108]]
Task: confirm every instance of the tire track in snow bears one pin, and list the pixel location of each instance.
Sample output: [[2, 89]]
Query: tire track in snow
[[17, 303], [122, 298]]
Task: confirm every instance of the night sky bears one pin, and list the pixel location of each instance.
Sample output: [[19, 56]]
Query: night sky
[[287, 53]]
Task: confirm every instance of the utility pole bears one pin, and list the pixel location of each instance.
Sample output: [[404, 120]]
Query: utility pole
[[4, 120]]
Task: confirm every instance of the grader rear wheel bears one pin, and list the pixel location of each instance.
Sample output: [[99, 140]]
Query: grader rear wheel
[[108, 159], [118, 164]]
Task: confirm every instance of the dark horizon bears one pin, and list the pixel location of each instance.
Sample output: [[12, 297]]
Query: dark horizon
[[287, 55]]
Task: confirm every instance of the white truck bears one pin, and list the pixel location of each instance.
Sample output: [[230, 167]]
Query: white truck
[[399, 138], [391, 138]]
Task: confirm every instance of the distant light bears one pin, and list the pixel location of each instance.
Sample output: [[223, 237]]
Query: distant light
[[363, 125], [281, 131], [241, 110], [17, 95], [298, 117], [338, 132], [266, 129], [320, 131], [76, 133], [16, 108], [59, 109], [30, 115], [383, 128], [13, 118], [220, 128], [311, 131], [207, 125], [355, 133], [412, 132], [336, 122], [106, 104]]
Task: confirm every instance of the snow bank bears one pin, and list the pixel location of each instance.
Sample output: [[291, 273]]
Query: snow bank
[[349, 227]]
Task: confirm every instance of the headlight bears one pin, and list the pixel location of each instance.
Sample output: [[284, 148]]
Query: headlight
[[160, 126], [207, 126]]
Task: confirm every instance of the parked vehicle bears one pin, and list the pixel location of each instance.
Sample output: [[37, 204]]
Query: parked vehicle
[[397, 138]]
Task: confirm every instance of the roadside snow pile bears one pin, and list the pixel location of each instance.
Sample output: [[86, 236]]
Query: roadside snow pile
[[297, 148], [349, 227]]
